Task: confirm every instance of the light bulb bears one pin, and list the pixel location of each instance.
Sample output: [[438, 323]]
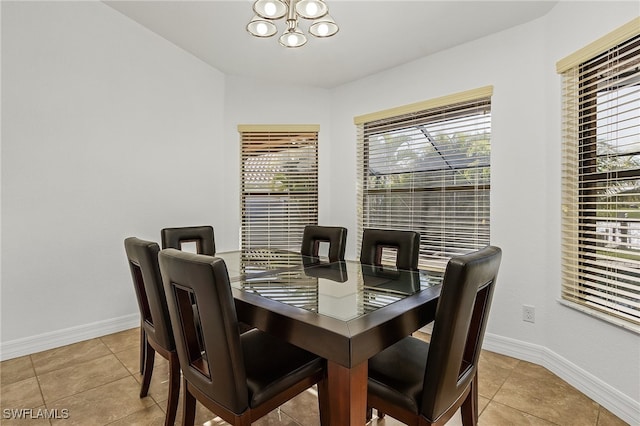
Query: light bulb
[[270, 8], [293, 38], [261, 28], [323, 29], [312, 9]]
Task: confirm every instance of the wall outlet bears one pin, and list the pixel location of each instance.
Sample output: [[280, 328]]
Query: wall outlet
[[528, 313]]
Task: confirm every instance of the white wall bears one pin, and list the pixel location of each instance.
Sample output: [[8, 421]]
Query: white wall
[[108, 131], [601, 359]]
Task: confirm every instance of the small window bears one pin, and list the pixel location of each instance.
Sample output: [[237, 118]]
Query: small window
[[279, 184]]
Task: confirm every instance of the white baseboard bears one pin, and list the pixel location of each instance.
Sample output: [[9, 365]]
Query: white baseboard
[[55, 339], [623, 406]]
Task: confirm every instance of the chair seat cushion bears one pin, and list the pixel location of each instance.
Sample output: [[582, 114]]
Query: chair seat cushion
[[273, 366], [397, 373]]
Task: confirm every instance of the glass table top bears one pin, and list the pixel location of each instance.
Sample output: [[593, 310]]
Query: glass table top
[[343, 290]]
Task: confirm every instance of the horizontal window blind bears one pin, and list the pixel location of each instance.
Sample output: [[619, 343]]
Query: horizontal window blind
[[601, 182], [279, 185], [429, 171]]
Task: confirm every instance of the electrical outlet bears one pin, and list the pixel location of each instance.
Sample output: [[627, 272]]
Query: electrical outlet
[[528, 313]]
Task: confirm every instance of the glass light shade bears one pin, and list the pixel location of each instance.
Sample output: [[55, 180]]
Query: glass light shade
[[323, 27], [270, 9], [260, 27], [311, 9], [293, 38]]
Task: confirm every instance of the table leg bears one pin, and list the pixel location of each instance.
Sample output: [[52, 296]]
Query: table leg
[[347, 394]]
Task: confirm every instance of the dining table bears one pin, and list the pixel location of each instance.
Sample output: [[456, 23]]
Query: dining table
[[345, 312]]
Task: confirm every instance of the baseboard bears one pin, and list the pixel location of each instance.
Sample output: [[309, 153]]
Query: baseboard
[[55, 339], [623, 406]]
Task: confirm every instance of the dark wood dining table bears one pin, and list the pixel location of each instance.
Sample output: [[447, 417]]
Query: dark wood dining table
[[345, 312]]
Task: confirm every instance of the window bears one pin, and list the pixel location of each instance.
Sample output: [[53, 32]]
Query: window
[[426, 167], [601, 177], [279, 184]]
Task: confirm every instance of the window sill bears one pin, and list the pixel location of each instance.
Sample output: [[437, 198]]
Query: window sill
[[611, 320]]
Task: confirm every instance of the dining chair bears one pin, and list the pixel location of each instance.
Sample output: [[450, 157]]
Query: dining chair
[[313, 235], [202, 236], [406, 244], [239, 377], [157, 335], [422, 383]]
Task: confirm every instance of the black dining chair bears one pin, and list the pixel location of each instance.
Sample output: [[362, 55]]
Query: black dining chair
[[202, 236], [422, 383], [313, 235], [405, 243], [156, 334], [239, 377]]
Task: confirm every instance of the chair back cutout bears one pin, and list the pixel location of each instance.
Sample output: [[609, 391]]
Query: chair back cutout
[[202, 236], [313, 235], [406, 244]]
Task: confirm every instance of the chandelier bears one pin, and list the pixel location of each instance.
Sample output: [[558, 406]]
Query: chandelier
[[269, 11]]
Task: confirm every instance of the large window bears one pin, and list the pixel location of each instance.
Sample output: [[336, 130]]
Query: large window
[[426, 167], [279, 184], [601, 177]]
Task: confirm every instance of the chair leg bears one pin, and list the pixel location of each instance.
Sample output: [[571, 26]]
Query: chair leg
[[188, 406], [469, 408], [143, 348], [369, 415], [323, 401], [149, 358], [174, 389]]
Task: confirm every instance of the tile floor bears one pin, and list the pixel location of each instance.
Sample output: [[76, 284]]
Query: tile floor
[[96, 382]]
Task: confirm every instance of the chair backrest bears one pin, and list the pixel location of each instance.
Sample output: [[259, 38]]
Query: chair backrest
[[406, 244], [202, 236], [143, 263], [217, 369], [458, 331], [313, 235]]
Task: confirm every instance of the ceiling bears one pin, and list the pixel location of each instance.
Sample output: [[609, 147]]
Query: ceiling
[[373, 36]]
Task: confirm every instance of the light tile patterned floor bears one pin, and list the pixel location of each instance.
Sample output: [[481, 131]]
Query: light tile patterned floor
[[98, 382]]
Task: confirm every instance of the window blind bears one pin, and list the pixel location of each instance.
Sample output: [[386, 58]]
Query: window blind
[[279, 184], [428, 170], [601, 179]]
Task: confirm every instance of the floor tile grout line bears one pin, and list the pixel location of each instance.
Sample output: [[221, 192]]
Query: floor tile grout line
[[84, 390], [35, 374], [96, 356], [528, 414], [505, 381], [512, 370]]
